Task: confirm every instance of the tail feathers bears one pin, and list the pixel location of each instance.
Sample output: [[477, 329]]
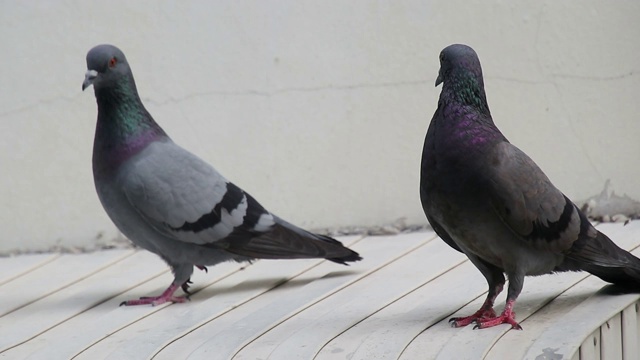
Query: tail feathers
[[603, 258], [349, 256], [287, 241], [627, 277]]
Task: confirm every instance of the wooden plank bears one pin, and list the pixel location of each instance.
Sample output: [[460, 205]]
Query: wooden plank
[[386, 333], [34, 319], [515, 344], [146, 337], [65, 340], [611, 338], [440, 341], [590, 313], [55, 275], [518, 343], [72, 336], [431, 340], [12, 267], [537, 292], [228, 333], [590, 347], [587, 316], [630, 335], [303, 335], [582, 320]]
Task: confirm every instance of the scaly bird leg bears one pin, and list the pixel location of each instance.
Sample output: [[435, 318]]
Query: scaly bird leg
[[507, 317], [485, 312], [495, 280], [166, 296]]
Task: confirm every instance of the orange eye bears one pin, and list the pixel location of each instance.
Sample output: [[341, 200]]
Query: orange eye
[[112, 62]]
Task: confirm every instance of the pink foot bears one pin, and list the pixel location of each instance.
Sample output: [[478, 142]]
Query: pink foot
[[507, 317], [477, 316], [166, 296], [485, 312]]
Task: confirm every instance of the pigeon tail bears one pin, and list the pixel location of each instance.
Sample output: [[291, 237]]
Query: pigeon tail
[[623, 270], [603, 258], [287, 241], [328, 244], [626, 277], [351, 255]]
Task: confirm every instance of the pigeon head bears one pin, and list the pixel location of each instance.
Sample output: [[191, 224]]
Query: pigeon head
[[106, 68], [461, 74], [124, 127], [458, 60]]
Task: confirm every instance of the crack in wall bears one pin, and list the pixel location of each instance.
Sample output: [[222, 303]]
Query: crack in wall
[[248, 92], [563, 76], [291, 90], [594, 78], [38, 103]]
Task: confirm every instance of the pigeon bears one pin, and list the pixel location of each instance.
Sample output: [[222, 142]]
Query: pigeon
[[487, 199], [172, 203]]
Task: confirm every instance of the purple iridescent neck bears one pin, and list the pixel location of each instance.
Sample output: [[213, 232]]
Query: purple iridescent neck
[[466, 125], [124, 128], [110, 152]]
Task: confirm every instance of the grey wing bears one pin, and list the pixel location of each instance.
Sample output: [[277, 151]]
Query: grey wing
[[185, 198], [527, 202]]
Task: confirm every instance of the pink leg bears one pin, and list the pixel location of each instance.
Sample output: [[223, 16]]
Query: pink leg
[[166, 296], [485, 311], [507, 317]]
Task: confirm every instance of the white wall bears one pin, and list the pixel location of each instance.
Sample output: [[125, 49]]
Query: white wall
[[318, 108]]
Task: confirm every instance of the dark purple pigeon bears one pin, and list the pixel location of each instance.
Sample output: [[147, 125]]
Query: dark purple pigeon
[[486, 198], [172, 203]]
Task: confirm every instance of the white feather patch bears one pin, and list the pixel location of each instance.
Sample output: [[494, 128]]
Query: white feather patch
[[228, 221], [264, 223]]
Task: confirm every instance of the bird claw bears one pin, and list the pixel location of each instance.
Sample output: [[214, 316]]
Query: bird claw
[[457, 322], [504, 318], [155, 300], [166, 296], [480, 315], [514, 326], [185, 287], [203, 268]]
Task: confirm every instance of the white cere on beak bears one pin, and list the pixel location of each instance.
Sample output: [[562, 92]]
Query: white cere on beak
[[89, 76]]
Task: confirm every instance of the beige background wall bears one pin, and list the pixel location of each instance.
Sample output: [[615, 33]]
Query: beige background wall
[[318, 108]]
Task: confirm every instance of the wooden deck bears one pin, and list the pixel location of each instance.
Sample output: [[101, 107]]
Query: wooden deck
[[393, 305]]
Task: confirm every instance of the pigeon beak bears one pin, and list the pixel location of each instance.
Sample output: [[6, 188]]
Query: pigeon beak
[[88, 78], [439, 79]]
